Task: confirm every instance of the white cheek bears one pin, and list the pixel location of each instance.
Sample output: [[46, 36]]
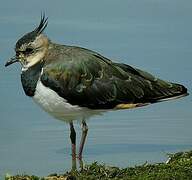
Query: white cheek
[[36, 57], [33, 59]]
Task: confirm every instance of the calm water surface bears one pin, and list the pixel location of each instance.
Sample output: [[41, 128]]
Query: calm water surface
[[152, 35]]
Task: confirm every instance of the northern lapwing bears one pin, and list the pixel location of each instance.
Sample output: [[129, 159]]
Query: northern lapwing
[[74, 83]]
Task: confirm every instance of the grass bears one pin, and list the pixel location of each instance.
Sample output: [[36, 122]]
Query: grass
[[178, 167]]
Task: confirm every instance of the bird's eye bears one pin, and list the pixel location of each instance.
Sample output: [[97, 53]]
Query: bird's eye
[[28, 50]]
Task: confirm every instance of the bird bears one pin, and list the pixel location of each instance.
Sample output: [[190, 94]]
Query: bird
[[74, 83]]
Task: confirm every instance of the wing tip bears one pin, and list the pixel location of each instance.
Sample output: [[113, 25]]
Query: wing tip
[[173, 97]]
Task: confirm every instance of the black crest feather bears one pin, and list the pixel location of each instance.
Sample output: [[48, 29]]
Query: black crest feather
[[32, 35], [42, 25]]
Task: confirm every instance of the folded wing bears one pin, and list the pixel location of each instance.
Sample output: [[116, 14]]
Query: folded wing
[[87, 79]]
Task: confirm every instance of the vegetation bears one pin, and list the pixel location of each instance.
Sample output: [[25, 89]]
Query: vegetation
[[179, 166]]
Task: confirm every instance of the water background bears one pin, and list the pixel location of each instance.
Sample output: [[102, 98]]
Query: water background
[[153, 35]]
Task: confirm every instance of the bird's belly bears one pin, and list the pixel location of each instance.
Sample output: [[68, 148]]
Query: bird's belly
[[57, 106]]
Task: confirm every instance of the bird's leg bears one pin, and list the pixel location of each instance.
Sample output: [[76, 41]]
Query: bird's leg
[[83, 138], [73, 145]]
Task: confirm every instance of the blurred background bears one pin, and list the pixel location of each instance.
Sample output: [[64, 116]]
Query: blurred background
[[153, 35]]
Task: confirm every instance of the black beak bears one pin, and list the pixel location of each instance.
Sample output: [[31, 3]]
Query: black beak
[[11, 61]]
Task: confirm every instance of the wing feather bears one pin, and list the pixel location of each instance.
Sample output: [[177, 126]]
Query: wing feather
[[87, 79]]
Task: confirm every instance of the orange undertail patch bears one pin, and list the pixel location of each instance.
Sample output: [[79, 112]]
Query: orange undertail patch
[[130, 105]]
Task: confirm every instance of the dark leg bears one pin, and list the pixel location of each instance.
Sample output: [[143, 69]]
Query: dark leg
[[83, 138], [73, 145]]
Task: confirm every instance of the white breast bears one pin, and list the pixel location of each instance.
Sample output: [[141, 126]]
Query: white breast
[[57, 106]]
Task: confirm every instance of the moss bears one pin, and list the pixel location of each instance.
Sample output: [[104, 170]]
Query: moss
[[178, 167], [22, 177]]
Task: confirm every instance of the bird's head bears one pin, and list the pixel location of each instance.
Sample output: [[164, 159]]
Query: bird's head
[[32, 47]]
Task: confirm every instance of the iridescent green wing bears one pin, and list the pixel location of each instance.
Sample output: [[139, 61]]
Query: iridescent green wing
[[87, 79]]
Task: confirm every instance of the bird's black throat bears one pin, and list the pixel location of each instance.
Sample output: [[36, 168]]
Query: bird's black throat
[[29, 78]]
